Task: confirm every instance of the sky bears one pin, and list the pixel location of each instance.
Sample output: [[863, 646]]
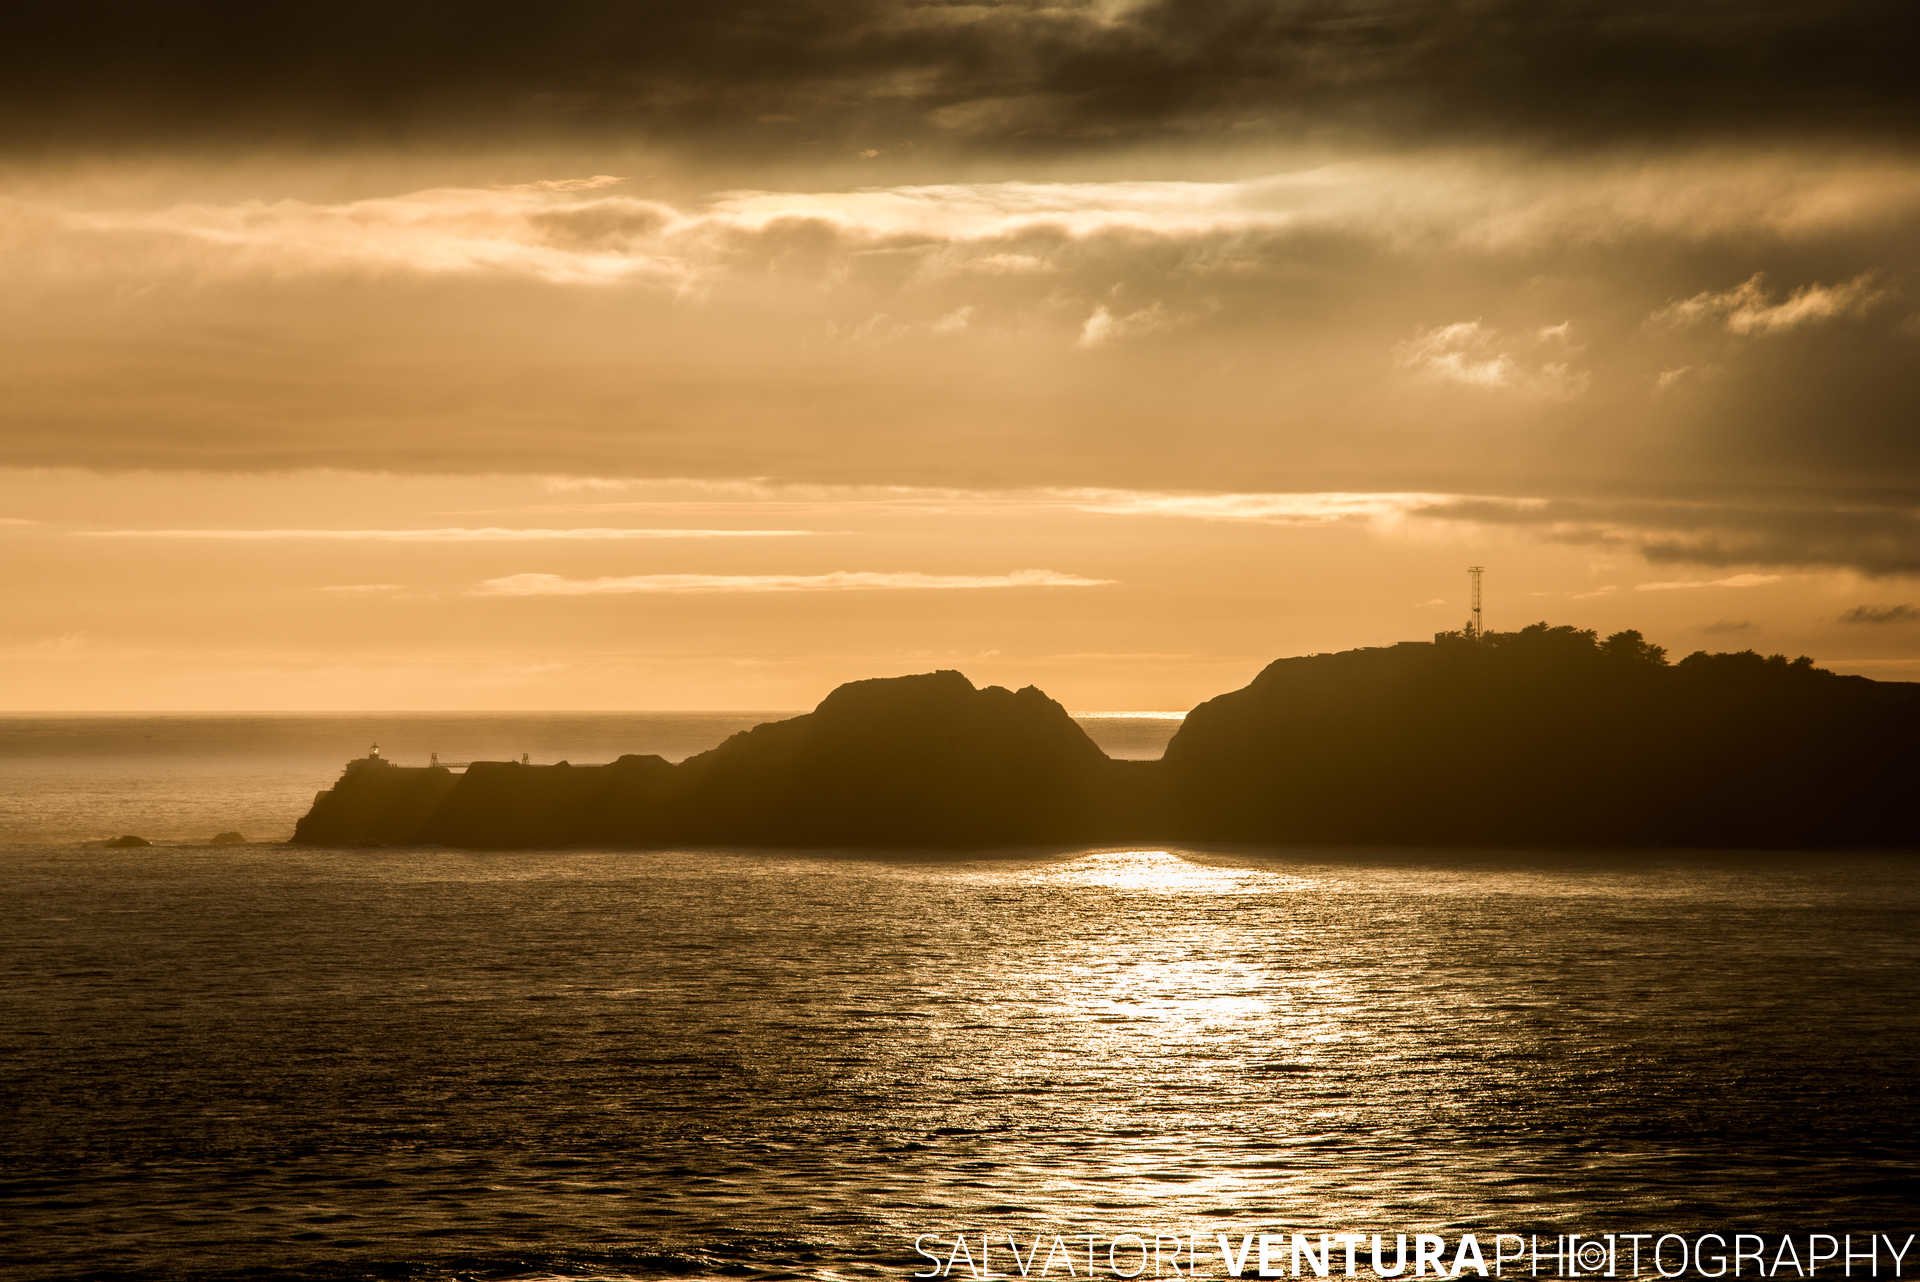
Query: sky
[[578, 355]]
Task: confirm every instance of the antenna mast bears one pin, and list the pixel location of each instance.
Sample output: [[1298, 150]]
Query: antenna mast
[[1475, 629]]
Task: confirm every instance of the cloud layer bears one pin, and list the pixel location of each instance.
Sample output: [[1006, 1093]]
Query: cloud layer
[[1472, 354], [1881, 615], [1749, 308], [555, 585], [437, 534], [366, 323], [1788, 530], [1483, 322], [885, 75]]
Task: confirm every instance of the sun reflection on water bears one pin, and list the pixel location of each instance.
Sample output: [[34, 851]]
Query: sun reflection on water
[[1167, 871]]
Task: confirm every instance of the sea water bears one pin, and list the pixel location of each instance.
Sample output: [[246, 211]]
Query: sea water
[[261, 1061]]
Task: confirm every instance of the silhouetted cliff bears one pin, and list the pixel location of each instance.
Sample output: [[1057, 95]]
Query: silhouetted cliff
[[910, 761], [1548, 736], [376, 803]]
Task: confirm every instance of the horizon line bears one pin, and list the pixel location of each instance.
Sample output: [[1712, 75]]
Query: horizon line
[[9, 713]]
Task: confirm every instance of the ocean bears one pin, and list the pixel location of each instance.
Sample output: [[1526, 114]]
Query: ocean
[[258, 1061]]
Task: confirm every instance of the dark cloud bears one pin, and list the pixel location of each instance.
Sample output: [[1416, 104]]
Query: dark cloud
[[1875, 539], [1882, 614], [1728, 627], [773, 74]]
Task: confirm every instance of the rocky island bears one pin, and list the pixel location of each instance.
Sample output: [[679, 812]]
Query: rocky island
[[1545, 736]]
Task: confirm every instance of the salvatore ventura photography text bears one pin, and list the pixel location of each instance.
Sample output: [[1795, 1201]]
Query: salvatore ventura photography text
[[1271, 1253]]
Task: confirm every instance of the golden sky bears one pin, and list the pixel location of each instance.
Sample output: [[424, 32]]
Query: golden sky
[[706, 356]]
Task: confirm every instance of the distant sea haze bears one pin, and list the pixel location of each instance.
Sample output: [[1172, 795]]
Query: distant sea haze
[[187, 777]]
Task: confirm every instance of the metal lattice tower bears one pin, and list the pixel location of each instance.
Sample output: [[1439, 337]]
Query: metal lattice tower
[[1476, 627]]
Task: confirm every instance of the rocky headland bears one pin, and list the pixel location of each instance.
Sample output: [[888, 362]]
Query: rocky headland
[[1546, 736]]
